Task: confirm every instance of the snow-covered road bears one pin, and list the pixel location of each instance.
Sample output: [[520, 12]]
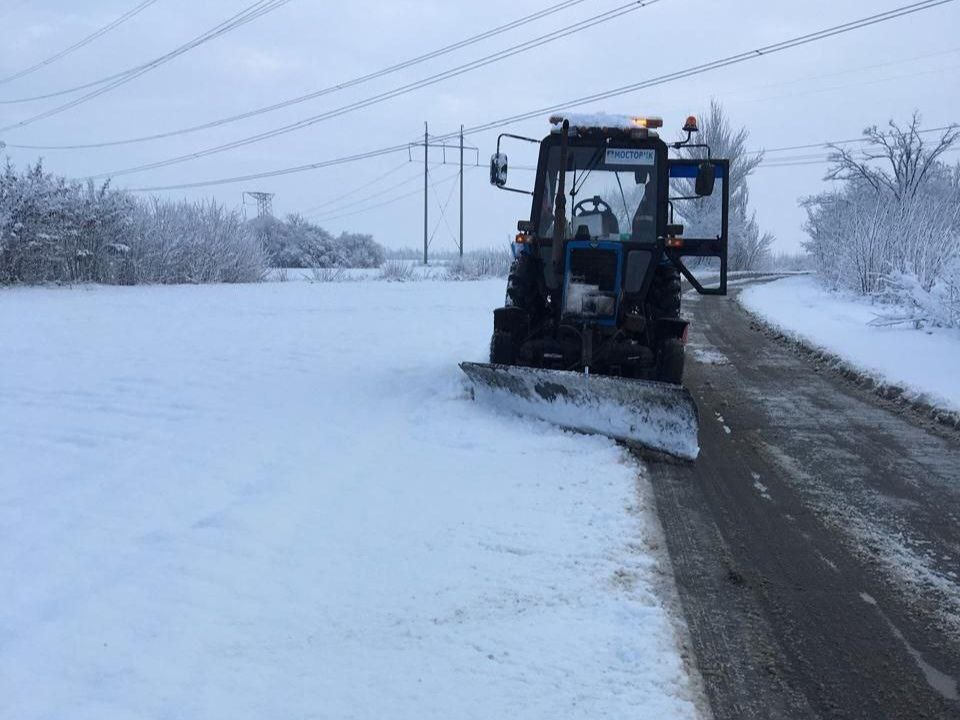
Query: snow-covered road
[[275, 501]]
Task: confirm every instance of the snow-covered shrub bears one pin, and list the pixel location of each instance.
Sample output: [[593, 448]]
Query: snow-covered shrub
[[361, 251], [748, 246], [53, 230], [299, 243], [398, 270], [891, 231], [911, 303], [60, 231], [325, 275], [480, 264], [191, 242]]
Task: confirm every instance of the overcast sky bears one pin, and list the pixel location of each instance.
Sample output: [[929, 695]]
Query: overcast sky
[[829, 90]]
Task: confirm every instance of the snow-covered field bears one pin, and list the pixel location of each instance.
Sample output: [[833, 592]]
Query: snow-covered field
[[923, 362], [275, 501]]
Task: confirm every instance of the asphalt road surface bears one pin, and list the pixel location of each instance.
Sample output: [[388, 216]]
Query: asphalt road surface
[[816, 541]]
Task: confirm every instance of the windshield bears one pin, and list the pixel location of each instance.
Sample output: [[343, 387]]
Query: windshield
[[611, 193]]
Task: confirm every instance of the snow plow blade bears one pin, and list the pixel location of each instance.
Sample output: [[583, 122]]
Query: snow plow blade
[[655, 415]]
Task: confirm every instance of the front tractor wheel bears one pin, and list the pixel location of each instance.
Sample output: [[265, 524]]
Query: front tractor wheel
[[501, 349], [671, 361]]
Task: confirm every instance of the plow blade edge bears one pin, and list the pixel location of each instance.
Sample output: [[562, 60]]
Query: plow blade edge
[[656, 415]]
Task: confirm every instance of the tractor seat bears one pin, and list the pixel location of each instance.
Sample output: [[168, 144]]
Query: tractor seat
[[593, 224]]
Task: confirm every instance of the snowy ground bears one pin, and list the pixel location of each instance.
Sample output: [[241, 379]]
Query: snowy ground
[[275, 501], [924, 362]]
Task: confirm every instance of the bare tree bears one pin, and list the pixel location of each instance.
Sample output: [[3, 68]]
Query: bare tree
[[890, 229], [910, 158]]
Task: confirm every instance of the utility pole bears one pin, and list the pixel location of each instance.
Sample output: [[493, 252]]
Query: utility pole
[[426, 144], [426, 190]]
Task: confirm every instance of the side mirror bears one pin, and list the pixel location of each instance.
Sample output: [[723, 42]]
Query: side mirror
[[498, 169], [706, 176]]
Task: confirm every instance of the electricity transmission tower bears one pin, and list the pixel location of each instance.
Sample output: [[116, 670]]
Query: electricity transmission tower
[[426, 145], [264, 202]]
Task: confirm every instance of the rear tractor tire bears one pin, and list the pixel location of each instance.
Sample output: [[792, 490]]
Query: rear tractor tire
[[665, 292], [671, 361]]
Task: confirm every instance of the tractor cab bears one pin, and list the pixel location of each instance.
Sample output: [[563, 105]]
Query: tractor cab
[[620, 186], [596, 281]]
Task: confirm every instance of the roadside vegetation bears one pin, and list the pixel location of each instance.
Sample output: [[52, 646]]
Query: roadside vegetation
[[297, 243], [55, 230], [889, 229]]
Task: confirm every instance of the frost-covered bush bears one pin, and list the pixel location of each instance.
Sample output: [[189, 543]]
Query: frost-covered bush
[[479, 264], [361, 251], [298, 243], [891, 229], [398, 270], [326, 275], [53, 230], [187, 242]]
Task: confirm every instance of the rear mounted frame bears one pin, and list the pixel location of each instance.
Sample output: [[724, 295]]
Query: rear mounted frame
[[703, 247]]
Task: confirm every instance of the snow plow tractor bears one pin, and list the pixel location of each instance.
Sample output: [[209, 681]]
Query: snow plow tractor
[[590, 335]]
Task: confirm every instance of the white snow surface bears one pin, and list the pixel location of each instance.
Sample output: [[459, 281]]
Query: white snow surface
[[924, 362], [276, 501]]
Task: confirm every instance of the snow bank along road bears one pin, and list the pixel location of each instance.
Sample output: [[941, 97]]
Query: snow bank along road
[[816, 542], [274, 501], [922, 363]]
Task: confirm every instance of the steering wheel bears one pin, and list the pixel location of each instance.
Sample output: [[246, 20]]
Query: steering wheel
[[600, 207], [596, 206]]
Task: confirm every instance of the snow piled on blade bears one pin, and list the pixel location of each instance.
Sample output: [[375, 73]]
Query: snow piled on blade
[[656, 415], [275, 501]]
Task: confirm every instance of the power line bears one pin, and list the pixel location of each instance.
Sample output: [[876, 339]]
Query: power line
[[626, 89], [367, 198], [282, 171], [379, 178], [472, 40], [839, 142], [80, 43], [522, 47], [314, 211], [821, 160], [249, 14], [216, 31], [721, 63], [741, 89], [404, 196]]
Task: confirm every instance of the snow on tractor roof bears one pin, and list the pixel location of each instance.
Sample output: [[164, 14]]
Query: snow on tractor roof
[[607, 121]]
